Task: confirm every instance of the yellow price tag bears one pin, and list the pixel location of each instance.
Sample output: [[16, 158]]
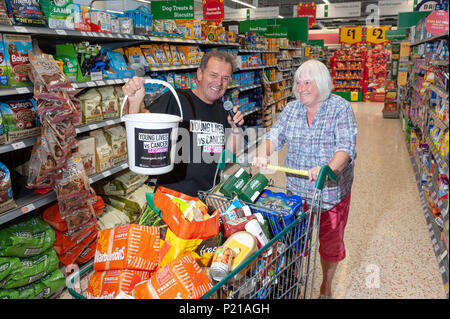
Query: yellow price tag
[[354, 96], [376, 35], [351, 35]]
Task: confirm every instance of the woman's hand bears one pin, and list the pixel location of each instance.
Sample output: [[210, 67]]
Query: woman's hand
[[135, 90], [313, 173], [260, 162]]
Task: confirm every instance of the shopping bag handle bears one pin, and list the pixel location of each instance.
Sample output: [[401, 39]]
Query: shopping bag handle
[[150, 197]]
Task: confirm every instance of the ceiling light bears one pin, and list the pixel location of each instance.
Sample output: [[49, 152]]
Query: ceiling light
[[280, 17], [326, 1], [144, 1], [244, 4]]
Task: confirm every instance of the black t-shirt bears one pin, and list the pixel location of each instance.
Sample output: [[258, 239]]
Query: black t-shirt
[[201, 139]]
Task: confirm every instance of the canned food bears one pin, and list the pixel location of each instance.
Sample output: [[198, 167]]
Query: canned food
[[220, 266]]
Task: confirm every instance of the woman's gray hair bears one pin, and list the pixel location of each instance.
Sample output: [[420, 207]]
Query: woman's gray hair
[[318, 72]]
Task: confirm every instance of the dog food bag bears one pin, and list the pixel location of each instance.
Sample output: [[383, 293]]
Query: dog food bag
[[119, 94], [86, 150], [7, 265], [3, 66], [108, 284], [46, 71], [64, 241], [19, 119], [26, 12], [132, 204], [110, 107], [91, 106], [6, 195], [59, 13], [127, 247], [103, 152], [31, 269], [180, 279], [116, 136], [71, 256], [112, 217], [17, 47], [120, 184], [26, 238], [87, 254]]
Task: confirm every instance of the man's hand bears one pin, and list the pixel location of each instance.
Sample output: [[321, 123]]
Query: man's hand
[[135, 90], [237, 118]]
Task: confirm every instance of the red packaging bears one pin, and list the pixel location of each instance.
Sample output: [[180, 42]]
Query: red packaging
[[72, 255], [88, 253], [65, 241], [231, 227]]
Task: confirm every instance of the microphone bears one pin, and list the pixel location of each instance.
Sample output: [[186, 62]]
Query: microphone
[[228, 106]]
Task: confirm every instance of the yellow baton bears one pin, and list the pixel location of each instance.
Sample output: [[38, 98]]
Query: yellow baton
[[288, 170]]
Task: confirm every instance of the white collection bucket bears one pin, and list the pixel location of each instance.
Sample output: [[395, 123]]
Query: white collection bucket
[[151, 138]]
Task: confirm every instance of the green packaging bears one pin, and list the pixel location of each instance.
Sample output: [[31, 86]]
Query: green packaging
[[235, 182], [253, 188]]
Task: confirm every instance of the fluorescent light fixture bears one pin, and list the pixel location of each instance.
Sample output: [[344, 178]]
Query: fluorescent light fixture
[[114, 11], [144, 1], [326, 1], [244, 4], [280, 17]]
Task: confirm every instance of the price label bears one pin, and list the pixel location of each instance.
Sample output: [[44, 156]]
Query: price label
[[351, 35], [61, 32], [23, 90], [18, 145], [28, 208], [21, 29], [376, 35]]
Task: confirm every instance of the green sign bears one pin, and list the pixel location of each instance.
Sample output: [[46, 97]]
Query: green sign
[[316, 43], [181, 9], [276, 32], [399, 34], [296, 28]]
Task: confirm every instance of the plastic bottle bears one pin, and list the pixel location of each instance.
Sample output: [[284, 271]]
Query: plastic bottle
[[255, 229]]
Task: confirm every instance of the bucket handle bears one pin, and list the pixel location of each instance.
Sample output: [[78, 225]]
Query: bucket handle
[[163, 83]]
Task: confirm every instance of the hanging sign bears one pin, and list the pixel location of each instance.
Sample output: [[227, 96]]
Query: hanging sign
[[376, 35], [213, 9], [437, 22], [307, 10], [350, 35], [181, 9], [276, 32]]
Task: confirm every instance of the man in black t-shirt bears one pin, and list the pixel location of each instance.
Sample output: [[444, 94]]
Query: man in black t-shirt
[[205, 123]]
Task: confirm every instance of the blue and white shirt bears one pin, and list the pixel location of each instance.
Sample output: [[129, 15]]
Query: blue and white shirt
[[333, 129]]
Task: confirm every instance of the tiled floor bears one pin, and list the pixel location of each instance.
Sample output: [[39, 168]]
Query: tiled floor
[[389, 251], [388, 247]]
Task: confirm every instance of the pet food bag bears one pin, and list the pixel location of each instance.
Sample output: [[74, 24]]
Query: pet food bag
[[17, 47], [180, 279], [7, 265], [120, 184], [116, 136], [59, 14], [127, 247], [19, 119], [108, 284], [3, 66], [110, 107], [132, 204], [91, 106], [86, 151], [103, 152], [6, 195], [26, 238], [26, 12]]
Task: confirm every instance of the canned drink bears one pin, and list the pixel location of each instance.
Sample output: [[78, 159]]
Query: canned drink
[[221, 262]]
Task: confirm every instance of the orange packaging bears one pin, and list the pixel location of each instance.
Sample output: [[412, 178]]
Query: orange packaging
[[180, 279], [108, 284], [87, 254], [72, 255], [127, 247], [64, 241]]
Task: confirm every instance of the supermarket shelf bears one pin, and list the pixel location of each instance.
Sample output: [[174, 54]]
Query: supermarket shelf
[[102, 36], [17, 90], [29, 141], [174, 67], [284, 59], [257, 51], [96, 125], [439, 62], [285, 70], [437, 156], [437, 37], [276, 81], [439, 91], [32, 201], [251, 111], [280, 99], [251, 87], [437, 120], [433, 228], [289, 48], [349, 69], [257, 67]]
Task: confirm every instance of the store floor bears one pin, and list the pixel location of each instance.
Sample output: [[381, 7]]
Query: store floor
[[389, 254], [388, 247]]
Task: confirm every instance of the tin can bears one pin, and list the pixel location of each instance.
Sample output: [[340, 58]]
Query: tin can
[[221, 262]]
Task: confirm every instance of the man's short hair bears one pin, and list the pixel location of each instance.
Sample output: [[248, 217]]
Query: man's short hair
[[220, 55]]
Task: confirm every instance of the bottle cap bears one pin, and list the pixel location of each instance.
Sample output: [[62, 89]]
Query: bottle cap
[[247, 210], [260, 218]]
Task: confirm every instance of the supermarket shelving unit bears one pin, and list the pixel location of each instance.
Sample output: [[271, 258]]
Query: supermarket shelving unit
[[418, 113]]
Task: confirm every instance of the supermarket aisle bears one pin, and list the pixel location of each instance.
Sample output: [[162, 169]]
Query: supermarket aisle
[[389, 250]]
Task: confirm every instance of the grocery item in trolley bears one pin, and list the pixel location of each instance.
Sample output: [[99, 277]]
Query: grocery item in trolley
[[235, 182], [243, 245], [127, 247], [180, 279], [108, 284], [221, 262], [253, 188]]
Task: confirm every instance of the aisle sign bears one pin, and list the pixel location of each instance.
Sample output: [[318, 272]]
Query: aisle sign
[[376, 35], [437, 22], [181, 9], [307, 9], [213, 9], [350, 35]]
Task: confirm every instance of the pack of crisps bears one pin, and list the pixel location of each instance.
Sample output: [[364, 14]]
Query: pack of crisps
[[181, 279], [127, 247], [108, 284]]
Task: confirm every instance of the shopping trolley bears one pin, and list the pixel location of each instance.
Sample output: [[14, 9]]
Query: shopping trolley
[[288, 272], [284, 268]]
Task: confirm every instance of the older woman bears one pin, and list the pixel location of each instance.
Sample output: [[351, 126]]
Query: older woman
[[318, 128]]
